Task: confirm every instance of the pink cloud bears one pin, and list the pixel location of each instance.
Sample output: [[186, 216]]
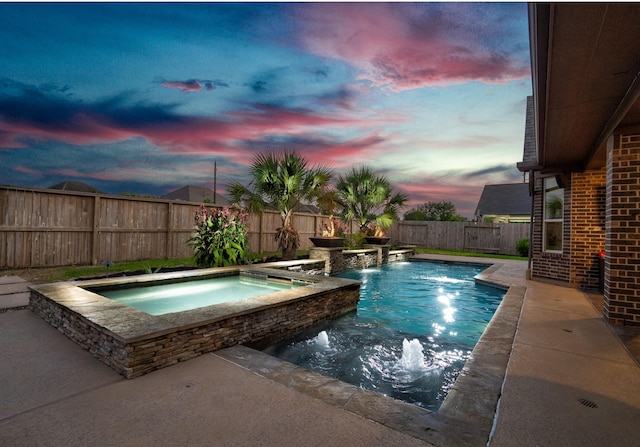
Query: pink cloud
[[25, 170], [86, 129], [186, 86], [341, 154], [174, 133], [123, 173], [100, 175], [396, 51], [194, 85], [204, 135]]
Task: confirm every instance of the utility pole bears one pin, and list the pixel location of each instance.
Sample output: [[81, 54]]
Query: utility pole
[[215, 173]]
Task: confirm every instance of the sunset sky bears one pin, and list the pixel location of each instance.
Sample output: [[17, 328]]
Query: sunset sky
[[143, 98]]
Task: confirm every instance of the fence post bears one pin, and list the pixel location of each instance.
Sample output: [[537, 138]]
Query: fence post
[[95, 239], [260, 229], [169, 238]]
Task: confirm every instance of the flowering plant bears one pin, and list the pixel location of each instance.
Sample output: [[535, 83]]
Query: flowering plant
[[221, 236]]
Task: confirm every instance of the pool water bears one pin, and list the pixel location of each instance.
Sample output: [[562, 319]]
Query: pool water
[[181, 296], [414, 329]]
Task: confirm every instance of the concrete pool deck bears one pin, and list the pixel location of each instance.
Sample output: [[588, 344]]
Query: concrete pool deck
[[569, 381]]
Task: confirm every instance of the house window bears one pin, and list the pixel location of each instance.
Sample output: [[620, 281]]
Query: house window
[[553, 212]]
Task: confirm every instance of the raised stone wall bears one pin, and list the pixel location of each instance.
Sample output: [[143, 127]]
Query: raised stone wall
[[133, 357], [338, 260], [401, 255], [103, 345], [360, 259]]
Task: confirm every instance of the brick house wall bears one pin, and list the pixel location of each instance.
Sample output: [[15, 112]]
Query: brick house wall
[[622, 244], [588, 206], [553, 266], [583, 232]]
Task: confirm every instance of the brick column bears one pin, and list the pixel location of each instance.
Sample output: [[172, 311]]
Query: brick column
[[622, 262], [588, 204]]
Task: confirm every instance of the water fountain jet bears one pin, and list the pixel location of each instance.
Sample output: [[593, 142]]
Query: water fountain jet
[[323, 339], [412, 355]]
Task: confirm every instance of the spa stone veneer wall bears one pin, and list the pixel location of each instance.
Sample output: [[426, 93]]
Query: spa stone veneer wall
[[133, 358], [362, 259], [401, 255], [103, 345], [622, 262]]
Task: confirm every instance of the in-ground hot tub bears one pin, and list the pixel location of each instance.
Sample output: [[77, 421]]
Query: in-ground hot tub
[[134, 342]]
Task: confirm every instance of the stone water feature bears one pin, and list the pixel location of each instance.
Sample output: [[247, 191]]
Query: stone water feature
[[338, 259]]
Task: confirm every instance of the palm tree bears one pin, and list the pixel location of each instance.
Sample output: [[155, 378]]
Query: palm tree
[[367, 198], [282, 181]]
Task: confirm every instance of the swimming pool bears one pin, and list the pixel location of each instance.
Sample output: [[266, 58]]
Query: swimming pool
[[415, 327]]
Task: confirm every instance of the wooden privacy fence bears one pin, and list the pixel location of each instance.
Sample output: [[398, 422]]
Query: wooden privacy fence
[[44, 227], [461, 236]]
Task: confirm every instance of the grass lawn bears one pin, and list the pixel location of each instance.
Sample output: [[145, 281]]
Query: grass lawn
[[466, 253], [52, 274]]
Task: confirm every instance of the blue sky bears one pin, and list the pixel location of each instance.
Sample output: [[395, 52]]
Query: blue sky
[[145, 97]]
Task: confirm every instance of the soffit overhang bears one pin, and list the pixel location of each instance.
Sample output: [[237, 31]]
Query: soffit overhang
[[585, 66]]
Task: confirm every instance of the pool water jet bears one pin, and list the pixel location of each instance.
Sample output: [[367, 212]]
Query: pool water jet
[[412, 355], [322, 339]]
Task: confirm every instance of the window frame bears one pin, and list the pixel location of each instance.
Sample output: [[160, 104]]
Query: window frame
[[547, 188]]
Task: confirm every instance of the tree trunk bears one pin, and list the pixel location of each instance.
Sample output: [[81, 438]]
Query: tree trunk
[[288, 238], [289, 254]]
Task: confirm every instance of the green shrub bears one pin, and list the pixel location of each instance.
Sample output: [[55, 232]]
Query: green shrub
[[221, 238], [354, 241], [522, 246]]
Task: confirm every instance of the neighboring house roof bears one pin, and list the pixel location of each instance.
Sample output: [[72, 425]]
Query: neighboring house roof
[[509, 199], [71, 185], [192, 193], [306, 208]]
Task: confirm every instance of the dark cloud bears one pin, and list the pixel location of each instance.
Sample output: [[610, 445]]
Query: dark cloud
[[344, 97], [44, 114], [509, 170], [258, 86], [32, 106]]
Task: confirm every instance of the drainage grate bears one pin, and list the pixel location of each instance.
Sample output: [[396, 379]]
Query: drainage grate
[[588, 403]]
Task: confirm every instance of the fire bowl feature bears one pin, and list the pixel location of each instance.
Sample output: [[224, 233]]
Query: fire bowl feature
[[377, 240], [327, 242]]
